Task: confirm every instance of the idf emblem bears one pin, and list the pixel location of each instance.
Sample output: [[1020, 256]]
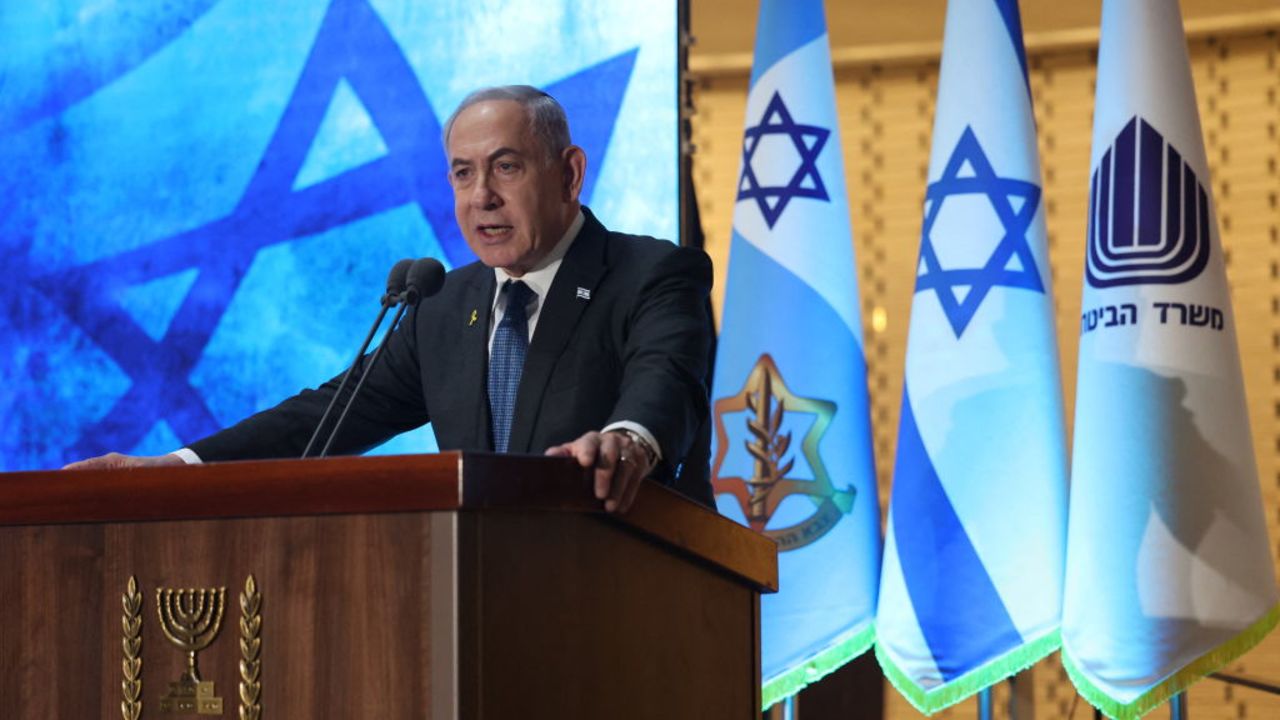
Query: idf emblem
[[1149, 216], [766, 400], [191, 620]]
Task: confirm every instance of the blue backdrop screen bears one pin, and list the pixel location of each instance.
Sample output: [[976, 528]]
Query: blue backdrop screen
[[199, 200]]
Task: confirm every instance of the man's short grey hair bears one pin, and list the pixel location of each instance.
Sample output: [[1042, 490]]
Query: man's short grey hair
[[546, 117]]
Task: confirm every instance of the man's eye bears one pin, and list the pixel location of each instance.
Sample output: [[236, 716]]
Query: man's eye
[[461, 173], [506, 167]]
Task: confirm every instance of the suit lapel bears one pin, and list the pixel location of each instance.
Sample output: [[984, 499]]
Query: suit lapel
[[471, 356], [581, 269]]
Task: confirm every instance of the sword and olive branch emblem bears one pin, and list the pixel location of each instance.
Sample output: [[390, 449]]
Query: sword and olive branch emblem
[[769, 448], [767, 400]]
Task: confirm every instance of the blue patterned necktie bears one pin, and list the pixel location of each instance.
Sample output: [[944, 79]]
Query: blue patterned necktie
[[506, 361]]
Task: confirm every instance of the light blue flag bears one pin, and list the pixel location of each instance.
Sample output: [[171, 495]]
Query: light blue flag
[[1169, 571], [971, 587], [793, 453]]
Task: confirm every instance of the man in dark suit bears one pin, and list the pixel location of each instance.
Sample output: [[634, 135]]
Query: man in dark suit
[[565, 338]]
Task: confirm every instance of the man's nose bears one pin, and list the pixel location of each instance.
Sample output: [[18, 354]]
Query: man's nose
[[482, 195]]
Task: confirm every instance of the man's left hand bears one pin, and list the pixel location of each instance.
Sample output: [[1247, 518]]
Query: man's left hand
[[620, 465]]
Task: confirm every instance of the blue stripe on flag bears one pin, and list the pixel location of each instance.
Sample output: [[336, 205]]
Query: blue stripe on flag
[[785, 25], [950, 590], [1013, 23]]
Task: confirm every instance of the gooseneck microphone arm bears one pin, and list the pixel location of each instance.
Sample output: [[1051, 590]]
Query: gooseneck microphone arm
[[360, 383], [396, 280], [425, 278]]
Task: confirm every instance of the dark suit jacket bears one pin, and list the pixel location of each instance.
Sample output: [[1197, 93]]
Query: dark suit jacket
[[638, 349]]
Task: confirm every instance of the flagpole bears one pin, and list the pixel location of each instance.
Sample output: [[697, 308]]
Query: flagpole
[[1178, 707], [984, 704]]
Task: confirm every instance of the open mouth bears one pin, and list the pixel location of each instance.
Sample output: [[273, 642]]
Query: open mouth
[[494, 232]]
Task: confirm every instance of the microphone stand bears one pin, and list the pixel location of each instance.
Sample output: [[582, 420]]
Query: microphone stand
[[363, 375], [422, 278], [387, 301]]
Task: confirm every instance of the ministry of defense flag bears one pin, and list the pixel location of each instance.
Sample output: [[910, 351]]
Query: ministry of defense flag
[[971, 586], [1169, 572], [793, 453]]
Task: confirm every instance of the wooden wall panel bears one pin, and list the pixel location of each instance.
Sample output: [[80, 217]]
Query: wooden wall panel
[[886, 114], [717, 137]]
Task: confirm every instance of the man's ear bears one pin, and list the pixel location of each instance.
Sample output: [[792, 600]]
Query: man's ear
[[574, 166]]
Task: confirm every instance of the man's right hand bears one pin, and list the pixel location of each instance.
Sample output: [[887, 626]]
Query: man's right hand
[[113, 461]]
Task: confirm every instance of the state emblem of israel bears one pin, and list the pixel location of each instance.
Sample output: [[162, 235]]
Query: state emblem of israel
[[765, 401]]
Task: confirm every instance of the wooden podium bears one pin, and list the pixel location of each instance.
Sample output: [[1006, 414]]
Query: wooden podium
[[435, 586]]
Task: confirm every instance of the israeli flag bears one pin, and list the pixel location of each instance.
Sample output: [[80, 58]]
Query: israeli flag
[[793, 453], [971, 587], [1169, 574]]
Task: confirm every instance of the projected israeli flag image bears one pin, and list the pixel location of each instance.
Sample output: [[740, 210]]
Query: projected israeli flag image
[[971, 586], [202, 198], [792, 447], [1169, 569]]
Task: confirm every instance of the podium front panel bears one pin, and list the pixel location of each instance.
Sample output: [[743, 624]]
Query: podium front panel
[[343, 613]]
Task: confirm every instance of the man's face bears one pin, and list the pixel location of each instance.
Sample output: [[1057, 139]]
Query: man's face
[[512, 200]]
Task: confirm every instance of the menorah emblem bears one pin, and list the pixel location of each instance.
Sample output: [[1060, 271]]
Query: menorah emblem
[[191, 620]]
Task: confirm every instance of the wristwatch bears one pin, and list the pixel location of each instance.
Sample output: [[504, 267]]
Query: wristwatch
[[650, 455]]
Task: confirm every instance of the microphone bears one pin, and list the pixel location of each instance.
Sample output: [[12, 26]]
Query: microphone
[[424, 279], [396, 281]]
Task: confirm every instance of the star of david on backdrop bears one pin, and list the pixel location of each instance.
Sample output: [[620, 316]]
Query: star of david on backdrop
[[805, 182], [1011, 264], [353, 44]]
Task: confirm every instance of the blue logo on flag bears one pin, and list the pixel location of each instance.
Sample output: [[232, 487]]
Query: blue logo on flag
[[808, 141], [961, 290], [1148, 213]]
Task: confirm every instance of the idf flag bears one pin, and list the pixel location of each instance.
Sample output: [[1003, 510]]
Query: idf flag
[[971, 587], [1169, 575], [793, 455]]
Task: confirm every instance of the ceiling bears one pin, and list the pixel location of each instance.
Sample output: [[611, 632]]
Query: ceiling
[[728, 26]]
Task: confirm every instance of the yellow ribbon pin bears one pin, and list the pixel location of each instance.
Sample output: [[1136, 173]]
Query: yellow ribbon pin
[[474, 315]]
